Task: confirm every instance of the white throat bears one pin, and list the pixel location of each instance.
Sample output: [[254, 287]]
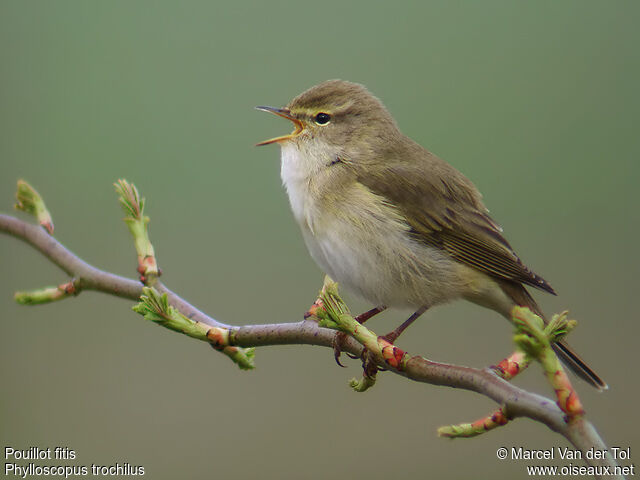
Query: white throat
[[298, 168]]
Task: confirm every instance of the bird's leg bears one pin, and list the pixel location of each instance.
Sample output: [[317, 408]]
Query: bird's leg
[[340, 337], [363, 317], [392, 336]]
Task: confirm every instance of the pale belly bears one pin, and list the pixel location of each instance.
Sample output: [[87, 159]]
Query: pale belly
[[383, 266]]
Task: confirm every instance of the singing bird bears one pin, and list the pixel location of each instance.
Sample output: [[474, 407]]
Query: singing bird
[[391, 221]]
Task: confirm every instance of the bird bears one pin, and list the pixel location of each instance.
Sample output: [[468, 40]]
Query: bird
[[392, 222]]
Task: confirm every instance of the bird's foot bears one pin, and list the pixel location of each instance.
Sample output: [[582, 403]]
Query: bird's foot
[[369, 366], [338, 343]]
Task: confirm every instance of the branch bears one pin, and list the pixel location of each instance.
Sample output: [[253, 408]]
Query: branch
[[513, 402]]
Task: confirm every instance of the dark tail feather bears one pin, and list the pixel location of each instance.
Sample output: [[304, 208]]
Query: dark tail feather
[[571, 359], [577, 365]]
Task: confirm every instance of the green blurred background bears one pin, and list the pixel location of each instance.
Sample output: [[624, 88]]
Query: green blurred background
[[536, 102]]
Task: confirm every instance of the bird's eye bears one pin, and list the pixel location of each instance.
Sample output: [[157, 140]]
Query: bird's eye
[[323, 118]]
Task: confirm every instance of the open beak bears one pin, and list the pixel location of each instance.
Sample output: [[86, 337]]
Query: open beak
[[284, 113]]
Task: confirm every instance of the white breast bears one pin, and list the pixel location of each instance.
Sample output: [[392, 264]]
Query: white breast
[[296, 171], [295, 179]]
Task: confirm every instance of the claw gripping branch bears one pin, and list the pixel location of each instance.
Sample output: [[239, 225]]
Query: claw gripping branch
[[133, 206], [332, 312], [155, 307], [30, 201]]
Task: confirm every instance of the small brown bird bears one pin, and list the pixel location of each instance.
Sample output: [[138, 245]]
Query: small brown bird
[[391, 221]]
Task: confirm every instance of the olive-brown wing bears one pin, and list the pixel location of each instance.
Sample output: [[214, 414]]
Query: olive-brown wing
[[446, 211]]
